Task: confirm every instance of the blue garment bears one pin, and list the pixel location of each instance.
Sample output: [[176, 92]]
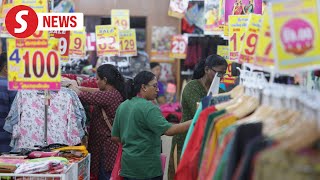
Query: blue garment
[[6, 100]]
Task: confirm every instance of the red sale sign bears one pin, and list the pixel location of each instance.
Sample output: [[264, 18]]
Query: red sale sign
[[178, 48], [64, 43]]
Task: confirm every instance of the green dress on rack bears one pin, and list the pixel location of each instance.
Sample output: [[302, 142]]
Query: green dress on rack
[[192, 93]]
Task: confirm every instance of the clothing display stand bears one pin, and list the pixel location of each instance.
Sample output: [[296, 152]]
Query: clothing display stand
[[47, 103]]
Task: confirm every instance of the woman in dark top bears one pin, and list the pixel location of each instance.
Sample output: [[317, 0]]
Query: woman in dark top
[[194, 91], [108, 96]]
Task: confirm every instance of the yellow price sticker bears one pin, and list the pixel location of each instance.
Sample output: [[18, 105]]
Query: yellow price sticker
[[224, 52], [128, 42], [296, 36], [249, 43], [77, 44], [33, 68], [107, 40], [120, 18], [237, 27], [264, 55]]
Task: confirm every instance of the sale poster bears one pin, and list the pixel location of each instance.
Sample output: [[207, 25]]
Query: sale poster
[[264, 54], [249, 43], [120, 18], [242, 7], [178, 47], [228, 79], [33, 68], [237, 29], [295, 33], [64, 43], [77, 44], [177, 8], [128, 43], [107, 40], [161, 42], [213, 21], [91, 42]]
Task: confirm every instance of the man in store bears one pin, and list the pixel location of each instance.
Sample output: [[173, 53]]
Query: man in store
[[6, 99]]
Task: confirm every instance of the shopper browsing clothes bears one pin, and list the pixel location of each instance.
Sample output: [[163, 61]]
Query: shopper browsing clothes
[[193, 92], [6, 99], [108, 97], [156, 70], [138, 126]]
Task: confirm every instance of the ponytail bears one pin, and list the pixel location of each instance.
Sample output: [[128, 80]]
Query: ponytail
[[199, 70]]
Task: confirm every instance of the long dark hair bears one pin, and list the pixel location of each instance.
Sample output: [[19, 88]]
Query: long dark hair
[[211, 61], [113, 76], [133, 86]]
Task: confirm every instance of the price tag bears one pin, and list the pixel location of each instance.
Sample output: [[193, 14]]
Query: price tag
[[64, 42], [33, 68], [178, 48], [120, 18], [295, 33], [177, 8], [91, 42], [107, 37], [77, 44], [128, 42], [249, 43], [237, 28], [224, 52], [264, 55]]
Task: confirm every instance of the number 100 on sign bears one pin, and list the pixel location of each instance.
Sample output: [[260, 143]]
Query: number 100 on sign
[[31, 68]]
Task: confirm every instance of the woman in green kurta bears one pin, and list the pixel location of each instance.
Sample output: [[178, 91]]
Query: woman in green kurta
[[194, 91]]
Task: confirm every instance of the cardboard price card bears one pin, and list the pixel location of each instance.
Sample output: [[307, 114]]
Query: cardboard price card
[[128, 42], [120, 18], [249, 43], [64, 43], [264, 55], [237, 28], [33, 68], [77, 44], [295, 33], [224, 52], [178, 48], [107, 40]]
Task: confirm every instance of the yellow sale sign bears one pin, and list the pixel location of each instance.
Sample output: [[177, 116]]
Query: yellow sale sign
[[237, 27], [120, 18], [77, 44], [128, 42], [264, 55], [295, 33], [224, 52], [107, 40], [249, 43], [33, 68]]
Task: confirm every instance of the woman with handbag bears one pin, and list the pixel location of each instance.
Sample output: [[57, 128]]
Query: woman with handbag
[[105, 99], [138, 126]]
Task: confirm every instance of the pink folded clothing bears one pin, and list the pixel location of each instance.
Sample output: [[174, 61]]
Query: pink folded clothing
[[40, 154]]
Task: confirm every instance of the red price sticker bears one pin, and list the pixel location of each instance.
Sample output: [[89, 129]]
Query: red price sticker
[[178, 48]]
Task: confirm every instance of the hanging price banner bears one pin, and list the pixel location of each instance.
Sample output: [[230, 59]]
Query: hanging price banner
[[91, 42], [128, 42], [77, 44], [224, 52], [237, 27], [120, 18], [107, 40], [249, 43], [177, 8], [64, 42], [33, 68], [295, 33], [264, 55], [178, 48]]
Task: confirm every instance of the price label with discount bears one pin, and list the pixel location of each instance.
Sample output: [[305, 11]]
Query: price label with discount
[[128, 42], [264, 55], [237, 28], [224, 52], [120, 18], [295, 33], [77, 44], [178, 48], [33, 68], [249, 43], [107, 40], [64, 42]]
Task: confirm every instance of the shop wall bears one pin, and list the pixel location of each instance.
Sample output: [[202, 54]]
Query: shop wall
[[156, 11]]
